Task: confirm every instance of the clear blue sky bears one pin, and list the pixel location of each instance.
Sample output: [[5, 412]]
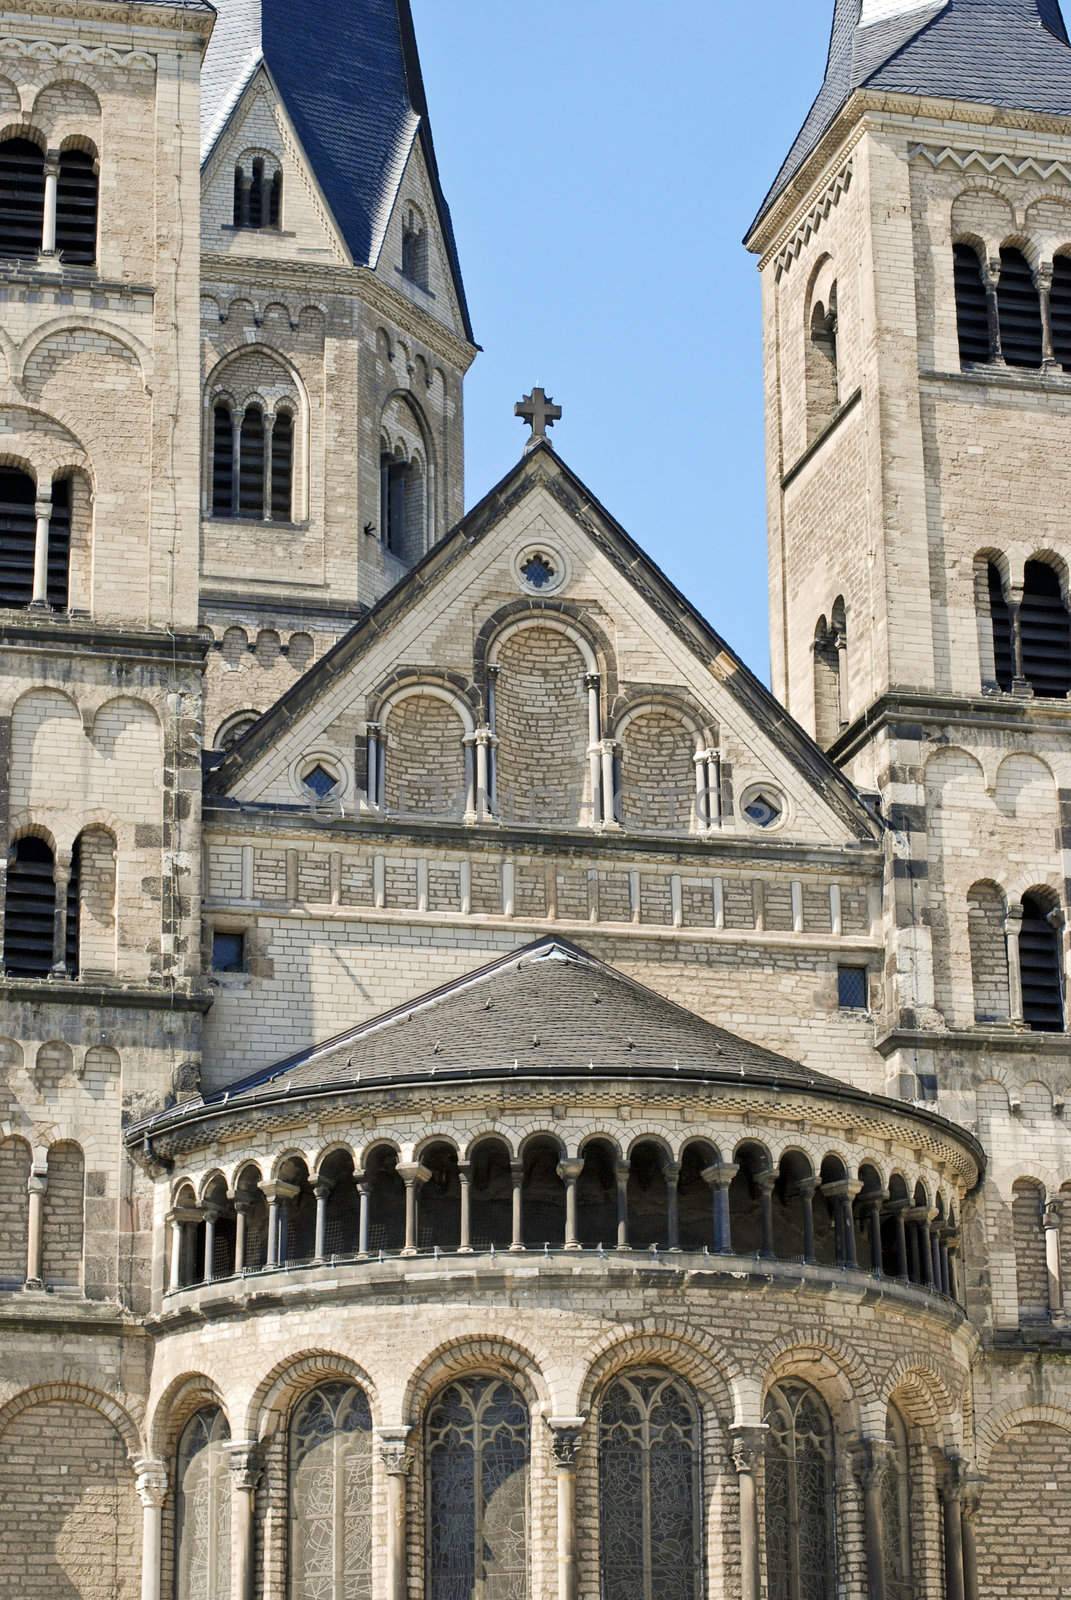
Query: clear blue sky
[[602, 159]]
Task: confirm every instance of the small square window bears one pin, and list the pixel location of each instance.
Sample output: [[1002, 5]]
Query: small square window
[[228, 952], [852, 988]]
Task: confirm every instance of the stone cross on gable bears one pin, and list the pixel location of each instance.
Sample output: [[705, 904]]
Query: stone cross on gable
[[540, 413]]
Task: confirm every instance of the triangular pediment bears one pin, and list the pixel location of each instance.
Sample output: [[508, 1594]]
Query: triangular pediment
[[650, 646]]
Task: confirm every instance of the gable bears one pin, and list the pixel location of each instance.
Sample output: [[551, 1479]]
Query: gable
[[467, 639]]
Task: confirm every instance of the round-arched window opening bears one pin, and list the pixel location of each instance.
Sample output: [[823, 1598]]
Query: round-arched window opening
[[319, 781], [540, 569], [764, 807]]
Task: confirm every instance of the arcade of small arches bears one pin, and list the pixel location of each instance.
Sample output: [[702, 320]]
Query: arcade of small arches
[[1012, 309], [35, 536], [1016, 960], [48, 199], [42, 1204], [533, 1196]]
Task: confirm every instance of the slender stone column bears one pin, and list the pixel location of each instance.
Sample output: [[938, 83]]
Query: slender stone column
[[364, 1192], [372, 777], [212, 1216], [569, 1172], [702, 791], [671, 1173], [516, 1172], [607, 754], [43, 512], [242, 1207], [842, 1193], [464, 1178], [414, 1176], [37, 1186], [970, 1500], [720, 1178], [951, 1492], [764, 1182], [621, 1172], [871, 1459], [469, 743], [990, 270], [246, 1468], [48, 227], [1053, 1271], [181, 1218], [483, 772], [322, 1190], [935, 1255], [899, 1209], [873, 1204], [591, 684], [152, 1492], [565, 1433], [276, 1194], [806, 1189], [748, 1444], [395, 1458], [1043, 282]]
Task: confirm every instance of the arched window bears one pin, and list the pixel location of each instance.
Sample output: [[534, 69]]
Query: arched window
[[1000, 619], [251, 463], [896, 1511], [258, 194], [29, 910], [972, 310], [1039, 964], [823, 376], [1019, 310], [73, 910], [22, 199], [203, 1508], [477, 1455], [830, 651], [989, 952], [415, 249], [1046, 632], [59, 545], [76, 208], [282, 467], [799, 1495], [18, 529], [401, 506], [222, 461], [1060, 310], [650, 1490], [1028, 1246], [331, 1495]]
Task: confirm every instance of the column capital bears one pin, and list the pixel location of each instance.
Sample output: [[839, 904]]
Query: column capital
[[394, 1450], [565, 1436], [183, 1214], [516, 1170], [747, 1443], [246, 1465], [720, 1176], [971, 1495], [37, 1182], [151, 1482], [842, 1189], [953, 1479], [277, 1190], [1050, 1217], [412, 1172], [871, 1460], [570, 1170], [591, 680], [766, 1179], [242, 1203], [42, 506], [322, 1188]]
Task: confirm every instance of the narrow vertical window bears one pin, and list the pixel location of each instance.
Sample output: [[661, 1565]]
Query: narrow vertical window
[[251, 464], [1046, 632], [18, 529], [799, 1495], [240, 193], [76, 208], [823, 374], [29, 910], [650, 1499], [392, 486], [477, 1445], [73, 910], [22, 199], [203, 1508], [59, 545], [330, 1493], [282, 467], [1019, 310], [1060, 310], [256, 194], [275, 200], [972, 310], [1039, 962], [1000, 618], [896, 1511], [222, 462]]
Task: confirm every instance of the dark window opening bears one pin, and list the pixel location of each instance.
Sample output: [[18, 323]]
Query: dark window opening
[[1019, 309], [222, 462], [972, 310], [415, 255], [1000, 618], [29, 910], [228, 952], [393, 475], [320, 781], [256, 195], [763, 810], [1039, 963], [76, 208], [275, 200], [18, 531], [852, 988], [59, 545], [1046, 632], [74, 904], [22, 199], [282, 467], [258, 199], [1060, 310], [251, 464], [240, 211]]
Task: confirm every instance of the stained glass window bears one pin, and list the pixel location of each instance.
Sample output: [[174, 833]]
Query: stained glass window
[[650, 1520], [203, 1508], [477, 1468], [331, 1495], [799, 1495], [896, 1511]]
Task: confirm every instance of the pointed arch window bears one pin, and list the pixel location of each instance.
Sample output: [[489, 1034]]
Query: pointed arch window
[[972, 306], [76, 208], [1039, 964], [203, 1508], [415, 249], [896, 1511], [331, 1495], [1019, 311], [799, 1495], [1046, 632], [22, 199], [650, 1490], [477, 1452], [29, 910]]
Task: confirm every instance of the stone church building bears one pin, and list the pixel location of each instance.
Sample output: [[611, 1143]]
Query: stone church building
[[495, 1104]]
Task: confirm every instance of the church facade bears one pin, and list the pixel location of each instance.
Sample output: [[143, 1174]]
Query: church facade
[[496, 1104]]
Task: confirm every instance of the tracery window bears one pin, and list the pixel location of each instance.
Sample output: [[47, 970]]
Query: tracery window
[[650, 1517], [478, 1451], [331, 1495], [203, 1508], [896, 1511], [799, 1495]]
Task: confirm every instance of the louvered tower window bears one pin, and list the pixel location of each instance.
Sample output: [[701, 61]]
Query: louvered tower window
[[29, 910], [1020, 311], [1000, 618], [239, 197], [972, 313], [74, 902], [1060, 310], [1039, 962], [1046, 632], [22, 199], [76, 208], [59, 545], [251, 464], [18, 528], [282, 467], [393, 477], [257, 196], [222, 462], [275, 200]]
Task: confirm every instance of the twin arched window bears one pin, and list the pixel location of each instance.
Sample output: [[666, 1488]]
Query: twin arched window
[[34, 549], [258, 194], [31, 904], [28, 226], [1004, 320], [203, 1508], [799, 1495], [1031, 638], [402, 505], [252, 463]]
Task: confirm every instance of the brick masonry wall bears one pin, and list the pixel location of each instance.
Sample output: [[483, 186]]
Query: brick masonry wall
[[14, 1209], [658, 774], [63, 1219], [1022, 1553], [425, 758], [542, 727]]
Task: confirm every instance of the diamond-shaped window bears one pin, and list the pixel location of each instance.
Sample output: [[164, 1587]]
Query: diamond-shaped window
[[764, 810], [320, 781]]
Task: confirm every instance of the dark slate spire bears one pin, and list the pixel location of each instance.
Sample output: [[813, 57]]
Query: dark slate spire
[[348, 73], [1011, 53]]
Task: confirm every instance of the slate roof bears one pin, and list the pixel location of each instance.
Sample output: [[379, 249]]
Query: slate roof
[[1007, 53], [349, 75]]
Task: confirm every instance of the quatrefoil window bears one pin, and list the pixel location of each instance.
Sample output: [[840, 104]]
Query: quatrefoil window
[[539, 571]]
